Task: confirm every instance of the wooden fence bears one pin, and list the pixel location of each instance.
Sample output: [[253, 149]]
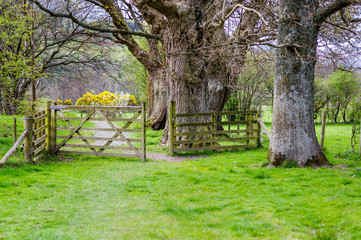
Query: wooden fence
[[58, 133], [203, 131], [34, 138]]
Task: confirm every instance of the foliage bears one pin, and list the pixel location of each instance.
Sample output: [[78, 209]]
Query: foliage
[[344, 87], [106, 99], [65, 102], [17, 70], [254, 87], [133, 75], [339, 92]]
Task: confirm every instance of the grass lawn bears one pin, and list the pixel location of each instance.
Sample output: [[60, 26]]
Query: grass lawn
[[227, 195]]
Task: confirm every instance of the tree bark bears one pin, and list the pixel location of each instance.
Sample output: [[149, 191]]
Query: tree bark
[[293, 132]]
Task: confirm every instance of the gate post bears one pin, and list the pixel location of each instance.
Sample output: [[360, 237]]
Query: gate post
[[52, 145], [259, 132], [48, 126], [323, 125], [171, 114], [28, 142], [144, 149]]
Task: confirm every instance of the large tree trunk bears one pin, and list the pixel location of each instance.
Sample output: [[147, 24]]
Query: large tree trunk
[[198, 72], [293, 131], [157, 92]]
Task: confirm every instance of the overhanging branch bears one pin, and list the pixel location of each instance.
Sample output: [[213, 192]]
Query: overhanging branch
[[93, 28], [336, 5]]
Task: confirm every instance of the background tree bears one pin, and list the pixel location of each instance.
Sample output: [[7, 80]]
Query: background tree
[[344, 87], [32, 44]]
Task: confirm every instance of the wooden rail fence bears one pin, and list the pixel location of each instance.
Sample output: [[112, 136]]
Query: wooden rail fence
[[202, 131], [34, 138], [59, 130]]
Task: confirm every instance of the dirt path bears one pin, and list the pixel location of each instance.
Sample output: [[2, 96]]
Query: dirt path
[[163, 157], [150, 155]]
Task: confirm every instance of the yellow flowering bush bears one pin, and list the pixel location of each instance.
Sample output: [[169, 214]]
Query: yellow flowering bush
[[106, 99], [127, 100], [66, 102]]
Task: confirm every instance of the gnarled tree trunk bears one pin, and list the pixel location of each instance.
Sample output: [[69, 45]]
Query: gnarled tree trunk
[[293, 132]]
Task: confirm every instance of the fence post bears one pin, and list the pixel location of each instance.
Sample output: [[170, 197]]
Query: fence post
[[52, 146], [323, 125], [48, 126], [247, 125], [213, 128], [15, 131], [259, 132], [144, 149], [28, 142], [172, 110]]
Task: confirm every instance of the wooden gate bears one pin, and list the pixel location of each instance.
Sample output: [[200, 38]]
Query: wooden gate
[[241, 129], [92, 130]]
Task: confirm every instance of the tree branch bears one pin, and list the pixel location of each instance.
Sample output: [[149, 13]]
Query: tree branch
[[336, 5], [93, 28]]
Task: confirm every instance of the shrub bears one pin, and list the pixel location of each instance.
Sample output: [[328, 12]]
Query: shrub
[[106, 99], [65, 102]]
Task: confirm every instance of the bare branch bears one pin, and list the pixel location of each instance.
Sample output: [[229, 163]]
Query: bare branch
[[94, 28], [336, 5]]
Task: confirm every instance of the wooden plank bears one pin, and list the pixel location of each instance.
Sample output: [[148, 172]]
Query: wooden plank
[[53, 131], [119, 130], [39, 118], [213, 129], [210, 132], [213, 148], [39, 140], [171, 119], [120, 134], [210, 124], [264, 128], [103, 108], [42, 128], [15, 131], [75, 130], [144, 143], [98, 154], [100, 119], [101, 138], [259, 132], [38, 157], [14, 147], [78, 133], [323, 126], [39, 149], [29, 139], [216, 140], [48, 124], [215, 113], [198, 124], [43, 122], [101, 129], [96, 146]]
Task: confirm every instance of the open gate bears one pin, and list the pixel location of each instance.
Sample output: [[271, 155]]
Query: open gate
[[98, 130]]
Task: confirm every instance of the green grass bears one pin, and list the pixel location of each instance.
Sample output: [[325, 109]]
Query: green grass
[[225, 196]]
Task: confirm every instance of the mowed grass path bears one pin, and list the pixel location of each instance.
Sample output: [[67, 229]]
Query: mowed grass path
[[225, 196]]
